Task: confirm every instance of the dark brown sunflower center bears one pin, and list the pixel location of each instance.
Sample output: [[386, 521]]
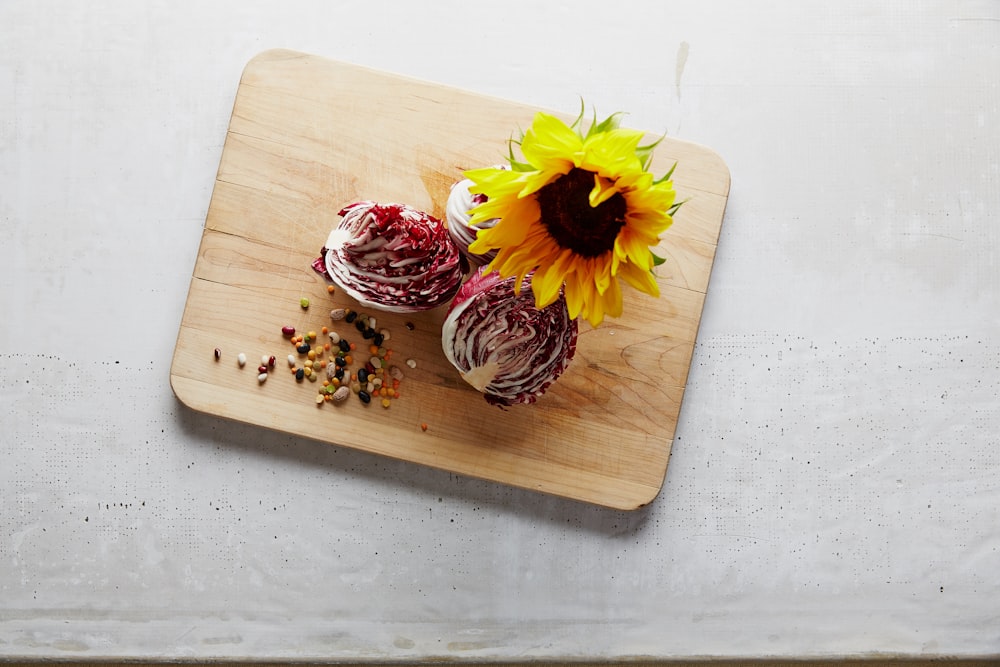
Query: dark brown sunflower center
[[571, 220]]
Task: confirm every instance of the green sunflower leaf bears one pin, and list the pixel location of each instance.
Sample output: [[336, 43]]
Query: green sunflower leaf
[[657, 260]]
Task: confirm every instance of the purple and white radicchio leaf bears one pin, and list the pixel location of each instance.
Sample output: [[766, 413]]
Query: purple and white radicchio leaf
[[502, 344], [393, 257]]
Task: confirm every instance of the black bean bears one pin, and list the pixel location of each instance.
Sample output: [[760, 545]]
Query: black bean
[[304, 348], [351, 316], [299, 374], [378, 339], [362, 375], [368, 333], [364, 396], [344, 345], [340, 361]]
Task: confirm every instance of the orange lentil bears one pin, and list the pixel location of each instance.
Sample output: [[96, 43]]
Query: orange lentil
[[423, 427], [348, 359], [373, 349], [326, 346], [325, 331], [330, 289], [395, 384], [322, 363], [353, 347]]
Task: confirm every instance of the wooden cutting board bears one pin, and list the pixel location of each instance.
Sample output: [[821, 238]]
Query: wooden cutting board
[[308, 136]]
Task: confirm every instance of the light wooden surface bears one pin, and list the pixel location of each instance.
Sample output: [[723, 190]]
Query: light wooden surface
[[308, 136]]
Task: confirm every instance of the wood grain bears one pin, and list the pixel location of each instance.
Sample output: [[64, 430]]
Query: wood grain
[[308, 136]]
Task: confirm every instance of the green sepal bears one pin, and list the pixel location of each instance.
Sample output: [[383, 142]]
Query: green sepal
[[666, 176], [612, 122], [657, 260], [645, 153], [673, 209], [575, 125], [515, 165]]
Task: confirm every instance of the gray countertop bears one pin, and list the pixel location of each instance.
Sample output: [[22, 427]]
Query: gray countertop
[[833, 488]]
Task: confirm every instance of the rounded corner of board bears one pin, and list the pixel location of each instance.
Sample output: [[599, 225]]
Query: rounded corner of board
[[180, 392], [270, 56], [719, 167]]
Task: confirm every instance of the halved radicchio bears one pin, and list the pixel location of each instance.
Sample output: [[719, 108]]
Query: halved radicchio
[[393, 257], [460, 202], [502, 344]]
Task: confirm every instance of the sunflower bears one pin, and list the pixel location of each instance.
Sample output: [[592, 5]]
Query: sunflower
[[580, 211]]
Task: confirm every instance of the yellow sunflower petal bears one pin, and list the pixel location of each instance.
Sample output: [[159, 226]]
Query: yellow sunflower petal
[[518, 218], [612, 153], [545, 283], [537, 180], [574, 298], [551, 278], [550, 144], [612, 301], [592, 310], [652, 223], [602, 272], [496, 181], [655, 198], [632, 247], [604, 189], [644, 281]]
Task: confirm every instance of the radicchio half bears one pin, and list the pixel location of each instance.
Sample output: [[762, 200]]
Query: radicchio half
[[460, 202], [502, 344], [393, 257]]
